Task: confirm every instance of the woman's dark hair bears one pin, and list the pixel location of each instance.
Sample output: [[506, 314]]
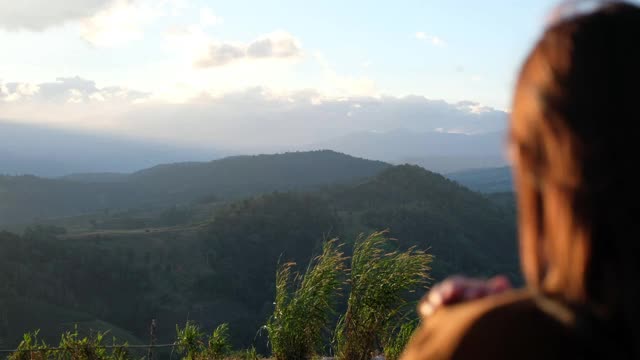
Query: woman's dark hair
[[574, 146]]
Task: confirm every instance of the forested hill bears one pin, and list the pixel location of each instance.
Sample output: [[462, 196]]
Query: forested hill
[[223, 269], [242, 175], [29, 198]]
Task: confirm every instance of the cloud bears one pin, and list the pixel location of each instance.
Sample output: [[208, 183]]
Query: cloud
[[209, 18], [275, 45], [254, 118], [278, 44], [66, 90], [221, 54], [434, 40], [120, 23], [38, 15]]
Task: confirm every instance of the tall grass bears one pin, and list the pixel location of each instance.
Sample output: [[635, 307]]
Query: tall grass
[[304, 305], [397, 339], [72, 346], [190, 342], [380, 280]]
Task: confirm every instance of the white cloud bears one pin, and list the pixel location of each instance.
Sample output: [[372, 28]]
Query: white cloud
[[38, 15], [220, 54], [70, 90], [275, 45], [209, 18], [122, 22], [434, 40], [254, 116]]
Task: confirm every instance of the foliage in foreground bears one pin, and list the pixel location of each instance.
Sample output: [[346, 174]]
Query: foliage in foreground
[[380, 280], [191, 342], [395, 343], [304, 305], [72, 347]]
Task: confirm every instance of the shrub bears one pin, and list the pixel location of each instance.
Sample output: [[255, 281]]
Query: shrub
[[30, 348]]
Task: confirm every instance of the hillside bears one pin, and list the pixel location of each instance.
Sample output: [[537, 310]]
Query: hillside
[[491, 180], [465, 230], [29, 198], [222, 269]]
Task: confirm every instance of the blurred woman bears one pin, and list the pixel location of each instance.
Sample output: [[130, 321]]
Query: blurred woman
[[572, 142]]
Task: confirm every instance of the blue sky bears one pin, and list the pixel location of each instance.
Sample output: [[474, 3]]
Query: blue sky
[[482, 43], [69, 61]]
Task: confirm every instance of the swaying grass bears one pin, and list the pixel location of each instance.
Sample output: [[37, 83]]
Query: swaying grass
[[190, 342], [31, 348], [397, 340], [304, 305], [72, 347], [219, 343], [380, 280]]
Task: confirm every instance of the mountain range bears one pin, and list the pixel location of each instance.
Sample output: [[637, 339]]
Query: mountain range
[[28, 198], [55, 152]]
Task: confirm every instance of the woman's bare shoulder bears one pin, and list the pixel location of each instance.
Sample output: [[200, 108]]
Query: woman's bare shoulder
[[514, 325]]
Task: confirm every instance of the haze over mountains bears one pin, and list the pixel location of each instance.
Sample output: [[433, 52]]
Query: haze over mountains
[[53, 152], [441, 152]]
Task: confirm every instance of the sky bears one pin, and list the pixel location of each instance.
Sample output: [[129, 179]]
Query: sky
[[242, 73]]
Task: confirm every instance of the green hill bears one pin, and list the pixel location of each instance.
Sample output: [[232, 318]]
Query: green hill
[[25, 199]]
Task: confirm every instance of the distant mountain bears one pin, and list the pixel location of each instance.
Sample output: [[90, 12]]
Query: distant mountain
[[451, 164], [108, 177], [26, 198], [492, 180], [436, 151], [51, 152]]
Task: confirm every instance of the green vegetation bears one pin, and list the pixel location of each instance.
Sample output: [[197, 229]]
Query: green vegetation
[[213, 261], [380, 280], [73, 346], [304, 305], [398, 338], [26, 199], [191, 343]]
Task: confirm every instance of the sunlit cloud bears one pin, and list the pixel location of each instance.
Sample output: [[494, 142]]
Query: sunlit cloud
[[39, 15], [275, 45], [209, 18], [124, 21], [237, 119]]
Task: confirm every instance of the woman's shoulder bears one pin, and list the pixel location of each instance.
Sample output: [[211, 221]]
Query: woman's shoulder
[[513, 325]]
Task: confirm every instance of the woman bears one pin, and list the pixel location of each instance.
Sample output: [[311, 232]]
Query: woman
[[573, 147]]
